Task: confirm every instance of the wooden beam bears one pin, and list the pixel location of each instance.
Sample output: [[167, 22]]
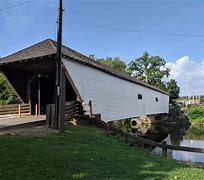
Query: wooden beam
[[62, 102], [73, 85]]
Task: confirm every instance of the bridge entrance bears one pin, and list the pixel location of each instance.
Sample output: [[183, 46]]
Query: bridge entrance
[[34, 82]]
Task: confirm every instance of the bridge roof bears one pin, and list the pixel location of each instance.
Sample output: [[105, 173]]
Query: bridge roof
[[49, 47]]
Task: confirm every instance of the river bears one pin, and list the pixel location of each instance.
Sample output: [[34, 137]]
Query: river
[[192, 136], [174, 134]]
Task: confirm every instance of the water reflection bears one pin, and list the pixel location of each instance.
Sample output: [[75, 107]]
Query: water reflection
[[174, 134]]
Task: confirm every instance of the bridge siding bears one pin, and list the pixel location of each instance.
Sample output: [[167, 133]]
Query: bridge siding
[[112, 97]]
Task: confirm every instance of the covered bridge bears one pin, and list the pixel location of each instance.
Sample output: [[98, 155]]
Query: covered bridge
[[31, 72]]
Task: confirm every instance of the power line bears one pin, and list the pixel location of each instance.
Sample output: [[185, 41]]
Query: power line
[[135, 31], [13, 6]]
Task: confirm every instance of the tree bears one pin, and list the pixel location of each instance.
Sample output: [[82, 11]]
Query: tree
[[7, 96], [173, 89], [150, 69], [115, 63]]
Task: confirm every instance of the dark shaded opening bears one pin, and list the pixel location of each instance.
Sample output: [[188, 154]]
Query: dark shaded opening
[[47, 91], [139, 96], [134, 123], [24, 77]]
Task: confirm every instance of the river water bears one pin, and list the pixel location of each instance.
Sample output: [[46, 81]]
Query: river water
[[192, 136], [174, 134]]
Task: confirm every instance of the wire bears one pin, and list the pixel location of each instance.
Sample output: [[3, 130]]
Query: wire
[[134, 31], [20, 4]]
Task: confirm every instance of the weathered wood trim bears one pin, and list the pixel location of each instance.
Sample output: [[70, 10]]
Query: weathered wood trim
[[73, 85]]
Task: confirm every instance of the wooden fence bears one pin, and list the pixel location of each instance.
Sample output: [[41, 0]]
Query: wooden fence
[[15, 109], [132, 139], [164, 146], [72, 108]]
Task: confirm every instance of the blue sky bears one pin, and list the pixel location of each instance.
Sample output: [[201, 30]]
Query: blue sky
[[32, 22]]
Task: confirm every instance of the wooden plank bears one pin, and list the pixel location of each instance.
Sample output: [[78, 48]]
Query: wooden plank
[[156, 144], [72, 110], [14, 109], [71, 103], [71, 107]]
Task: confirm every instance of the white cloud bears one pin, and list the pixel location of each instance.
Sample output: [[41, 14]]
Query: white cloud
[[186, 70]]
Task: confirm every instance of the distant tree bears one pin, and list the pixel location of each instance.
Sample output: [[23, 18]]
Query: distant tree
[[150, 69], [115, 63], [7, 96], [173, 89], [202, 99]]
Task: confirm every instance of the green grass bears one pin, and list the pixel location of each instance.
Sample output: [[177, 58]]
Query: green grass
[[196, 114], [84, 153]]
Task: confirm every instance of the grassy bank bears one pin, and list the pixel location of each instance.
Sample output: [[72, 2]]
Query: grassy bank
[[196, 114], [84, 153]]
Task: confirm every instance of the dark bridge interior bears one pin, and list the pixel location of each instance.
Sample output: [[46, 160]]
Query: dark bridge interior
[[33, 81]]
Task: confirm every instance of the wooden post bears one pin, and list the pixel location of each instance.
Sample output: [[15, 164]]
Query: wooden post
[[48, 115], [36, 110], [39, 89], [164, 149], [19, 110], [58, 66], [62, 101], [91, 110]]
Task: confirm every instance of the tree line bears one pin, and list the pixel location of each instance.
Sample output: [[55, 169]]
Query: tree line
[[147, 68]]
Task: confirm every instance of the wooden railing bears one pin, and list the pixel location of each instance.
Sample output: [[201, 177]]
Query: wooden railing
[[72, 108], [15, 109], [132, 139], [164, 146]]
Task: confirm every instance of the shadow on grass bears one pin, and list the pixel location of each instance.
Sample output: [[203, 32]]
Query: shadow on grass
[[83, 153]]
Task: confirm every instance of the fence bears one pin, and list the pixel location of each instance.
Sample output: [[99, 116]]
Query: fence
[[72, 108], [164, 146], [15, 109]]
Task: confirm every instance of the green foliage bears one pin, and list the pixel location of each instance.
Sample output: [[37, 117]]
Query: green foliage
[[84, 153], [196, 114], [7, 96], [195, 132], [115, 63], [202, 99], [150, 69], [173, 89]]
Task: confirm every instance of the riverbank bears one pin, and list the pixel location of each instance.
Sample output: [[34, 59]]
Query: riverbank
[[84, 153], [195, 114]]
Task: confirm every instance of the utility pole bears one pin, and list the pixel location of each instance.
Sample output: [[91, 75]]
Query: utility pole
[[60, 84]]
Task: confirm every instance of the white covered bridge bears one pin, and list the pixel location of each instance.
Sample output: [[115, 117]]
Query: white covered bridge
[[31, 73]]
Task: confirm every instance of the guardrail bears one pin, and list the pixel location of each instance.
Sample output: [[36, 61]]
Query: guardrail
[[15, 109]]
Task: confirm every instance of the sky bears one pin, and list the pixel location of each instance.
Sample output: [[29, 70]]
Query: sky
[[83, 20]]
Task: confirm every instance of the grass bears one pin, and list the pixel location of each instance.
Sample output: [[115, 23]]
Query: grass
[[84, 153], [195, 132], [196, 114]]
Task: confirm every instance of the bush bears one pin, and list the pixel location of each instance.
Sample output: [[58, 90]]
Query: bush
[[196, 113]]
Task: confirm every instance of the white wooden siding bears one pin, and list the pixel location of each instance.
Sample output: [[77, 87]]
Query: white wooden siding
[[113, 97]]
